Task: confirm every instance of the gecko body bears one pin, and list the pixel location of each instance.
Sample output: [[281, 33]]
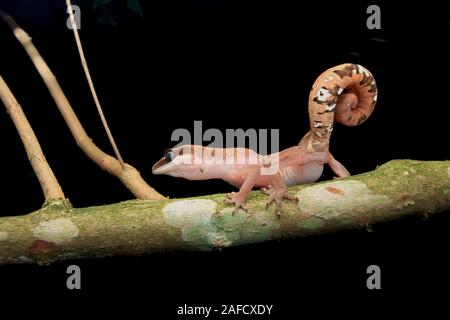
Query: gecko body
[[346, 93]]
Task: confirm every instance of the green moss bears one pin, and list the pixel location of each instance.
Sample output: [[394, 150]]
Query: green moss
[[311, 223], [57, 204]]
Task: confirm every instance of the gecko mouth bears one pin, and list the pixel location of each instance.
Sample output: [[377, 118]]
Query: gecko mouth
[[158, 167]]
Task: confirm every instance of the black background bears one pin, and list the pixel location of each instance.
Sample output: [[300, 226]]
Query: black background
[[231, 64]]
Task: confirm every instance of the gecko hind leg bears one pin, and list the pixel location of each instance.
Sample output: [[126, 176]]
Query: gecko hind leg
[[277, 195], [338, 168]]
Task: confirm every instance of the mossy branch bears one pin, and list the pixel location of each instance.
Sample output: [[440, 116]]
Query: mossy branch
[[396, 189]]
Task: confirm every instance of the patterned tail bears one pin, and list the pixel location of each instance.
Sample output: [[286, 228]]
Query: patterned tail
[[346, 93]]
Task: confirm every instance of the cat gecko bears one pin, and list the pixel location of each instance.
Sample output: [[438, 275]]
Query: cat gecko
[[346, 93]]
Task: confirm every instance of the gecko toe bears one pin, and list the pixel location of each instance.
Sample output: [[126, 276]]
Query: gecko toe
[[270, 201], [278, 213], [266, 190], [230, 195], [239, 206], [237, 200], [291, 198]]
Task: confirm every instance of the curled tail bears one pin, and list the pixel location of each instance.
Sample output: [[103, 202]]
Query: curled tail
[[346, 93]]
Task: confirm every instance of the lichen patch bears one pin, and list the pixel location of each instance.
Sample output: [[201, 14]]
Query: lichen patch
[[187, 213], [3, 235], [337, 198], [24, 259], [58, 231], [204, 228]]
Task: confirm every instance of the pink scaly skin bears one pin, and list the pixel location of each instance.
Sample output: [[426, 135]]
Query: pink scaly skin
[[346, 93]]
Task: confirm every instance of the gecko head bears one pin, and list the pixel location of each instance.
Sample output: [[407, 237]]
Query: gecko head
[[177, 162]]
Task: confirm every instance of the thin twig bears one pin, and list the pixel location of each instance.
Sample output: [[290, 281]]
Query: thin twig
[[91, 84], [49, 184]]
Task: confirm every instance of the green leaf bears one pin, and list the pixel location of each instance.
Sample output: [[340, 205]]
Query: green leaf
[[106, 17], [99, 3], [135, 7]]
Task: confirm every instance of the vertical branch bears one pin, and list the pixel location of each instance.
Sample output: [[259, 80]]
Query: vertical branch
[[50, 186], [91, 84]]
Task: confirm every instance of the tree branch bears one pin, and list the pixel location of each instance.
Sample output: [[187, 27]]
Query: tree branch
[[49, 184], [128, 175], [396, 189]]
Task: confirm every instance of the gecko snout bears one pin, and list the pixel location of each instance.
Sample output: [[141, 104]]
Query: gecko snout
[[158, 167]]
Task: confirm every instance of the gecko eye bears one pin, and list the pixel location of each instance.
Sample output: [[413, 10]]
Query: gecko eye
[[169, 155]]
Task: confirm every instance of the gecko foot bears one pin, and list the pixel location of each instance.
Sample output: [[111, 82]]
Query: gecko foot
[[277, 195], [237, 200]]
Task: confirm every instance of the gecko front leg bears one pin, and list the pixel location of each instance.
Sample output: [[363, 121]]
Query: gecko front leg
[[277, 192], [238, 198]]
